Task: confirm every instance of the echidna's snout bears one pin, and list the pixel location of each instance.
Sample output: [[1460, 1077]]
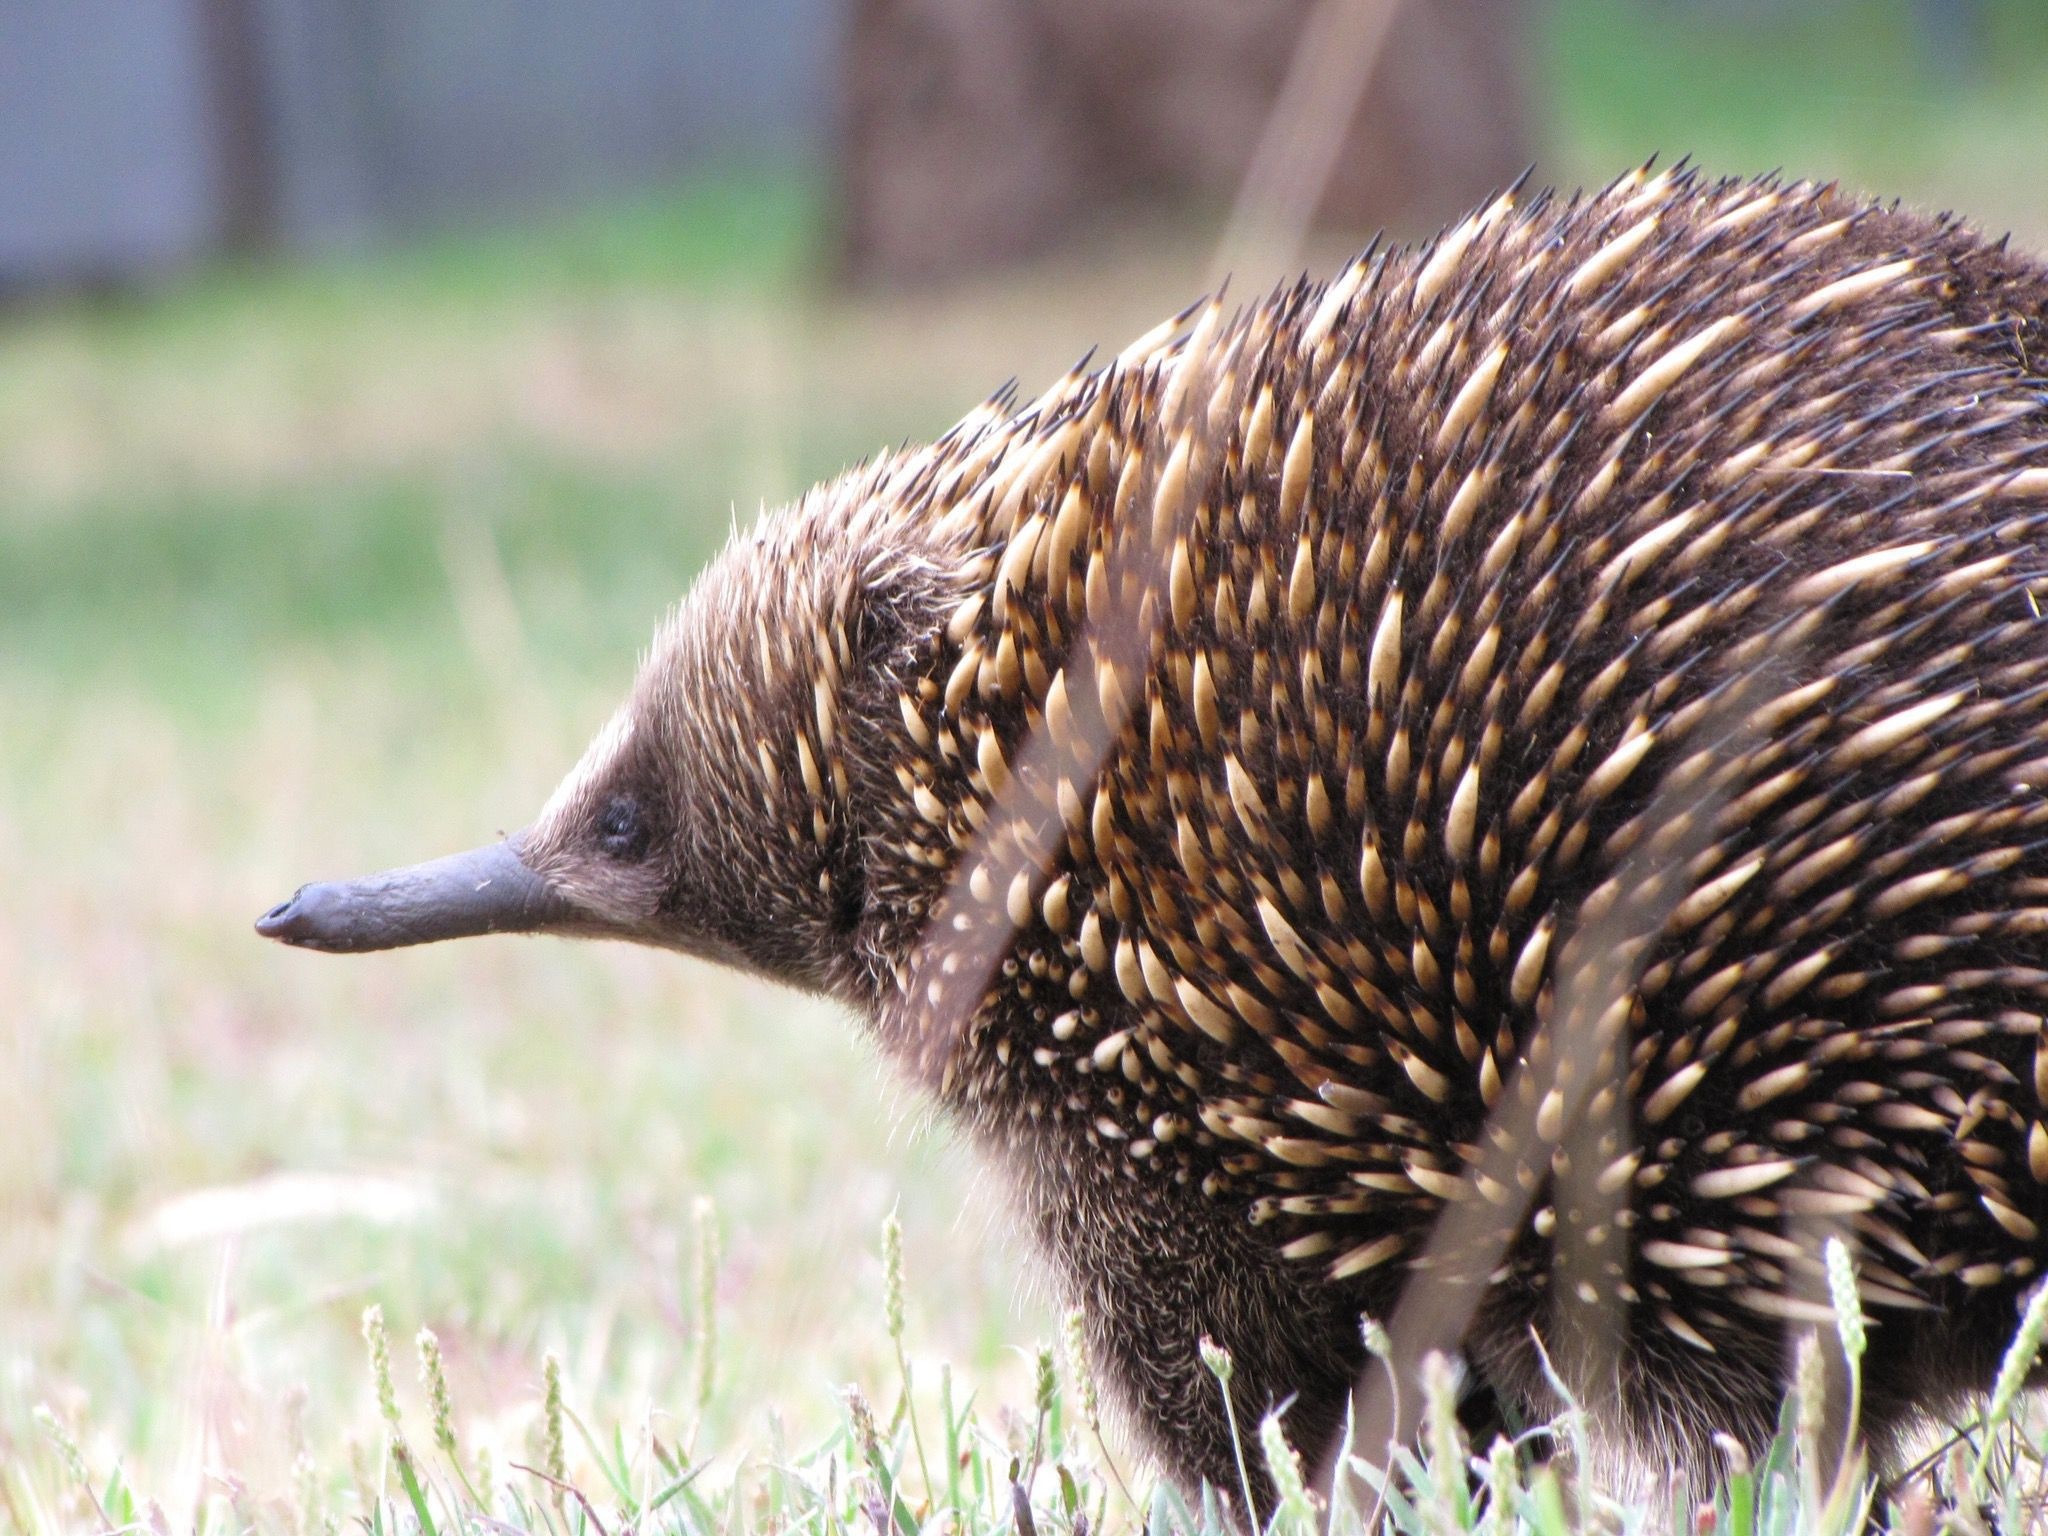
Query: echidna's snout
[[485, 890]]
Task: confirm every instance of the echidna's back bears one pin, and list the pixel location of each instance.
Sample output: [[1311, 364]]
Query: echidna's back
[[1592, 781]]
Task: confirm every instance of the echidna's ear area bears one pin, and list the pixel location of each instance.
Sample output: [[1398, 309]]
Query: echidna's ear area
[[761, 721]]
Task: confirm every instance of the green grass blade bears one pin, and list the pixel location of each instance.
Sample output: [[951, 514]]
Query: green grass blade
[[409, 1480]]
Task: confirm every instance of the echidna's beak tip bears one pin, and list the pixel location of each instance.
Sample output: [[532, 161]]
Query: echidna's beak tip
[[326, 916], [278, 921]]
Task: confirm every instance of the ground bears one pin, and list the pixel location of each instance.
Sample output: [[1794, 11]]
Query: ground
[[306, 570]]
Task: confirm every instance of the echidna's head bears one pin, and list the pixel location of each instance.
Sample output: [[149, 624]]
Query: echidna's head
[[720, 811]]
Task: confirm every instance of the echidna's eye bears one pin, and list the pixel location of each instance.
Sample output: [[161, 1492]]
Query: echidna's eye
[[621, 832]]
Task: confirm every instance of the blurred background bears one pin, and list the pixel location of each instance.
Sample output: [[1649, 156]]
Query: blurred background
[[372, 376]]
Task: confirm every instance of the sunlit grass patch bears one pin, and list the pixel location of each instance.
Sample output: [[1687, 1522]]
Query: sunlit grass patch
[[915, 1452]]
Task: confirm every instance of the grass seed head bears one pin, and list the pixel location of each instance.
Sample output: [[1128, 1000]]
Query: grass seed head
[[379, 1341], [1074, 1343], [1217, 1360], [867, 1438], [434, 1377], [63, 1442], [1377, 1343], [1848, 1301], [1293, 1503], [1444, 1434], [553, 1451], [1810, 1384], [2019, 1359], [892, 1276]]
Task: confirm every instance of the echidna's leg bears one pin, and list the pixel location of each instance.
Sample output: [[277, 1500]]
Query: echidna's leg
[[1926, 1370], [1485, 1415], [1157, 1271]]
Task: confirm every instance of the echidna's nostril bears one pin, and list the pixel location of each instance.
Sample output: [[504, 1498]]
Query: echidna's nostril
[[273, 923]]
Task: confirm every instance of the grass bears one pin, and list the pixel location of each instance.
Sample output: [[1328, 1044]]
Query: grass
[[306, 569], [1044, 1465]]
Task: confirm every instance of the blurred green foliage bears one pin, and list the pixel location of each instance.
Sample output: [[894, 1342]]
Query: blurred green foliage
[[1872, 91], [157, 564], [169, 570]]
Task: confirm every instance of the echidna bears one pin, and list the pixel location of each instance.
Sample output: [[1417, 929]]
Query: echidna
[[1525, 765]]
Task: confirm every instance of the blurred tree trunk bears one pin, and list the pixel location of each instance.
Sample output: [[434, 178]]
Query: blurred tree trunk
[[244, 152], [981, 131]]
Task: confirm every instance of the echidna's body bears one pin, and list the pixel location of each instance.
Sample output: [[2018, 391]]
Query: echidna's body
[[1578, 677]]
